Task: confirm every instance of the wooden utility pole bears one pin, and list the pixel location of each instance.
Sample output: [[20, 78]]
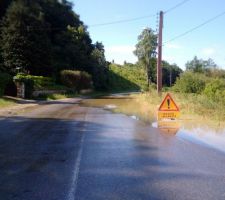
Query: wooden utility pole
[[159, 60]]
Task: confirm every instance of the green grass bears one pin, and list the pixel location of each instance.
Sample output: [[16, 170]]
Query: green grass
[[6, 102], [192, 106]]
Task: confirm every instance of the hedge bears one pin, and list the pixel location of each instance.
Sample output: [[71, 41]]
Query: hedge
[[76, 80]]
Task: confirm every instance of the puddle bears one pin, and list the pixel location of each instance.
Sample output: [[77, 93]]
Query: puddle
[[110, 107], [121, 104], [167, 126], [134, 117], [200, 132], [204, 136]]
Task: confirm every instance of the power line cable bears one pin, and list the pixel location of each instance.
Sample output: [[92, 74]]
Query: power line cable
[[101, 24], [176, 6], [120, 21], [139, 18], [196, 27], [123, 21]]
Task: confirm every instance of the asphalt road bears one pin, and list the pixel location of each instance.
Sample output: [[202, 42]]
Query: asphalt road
[[62, 151]]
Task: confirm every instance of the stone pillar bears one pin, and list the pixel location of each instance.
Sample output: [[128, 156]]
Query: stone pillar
[[20, 89]]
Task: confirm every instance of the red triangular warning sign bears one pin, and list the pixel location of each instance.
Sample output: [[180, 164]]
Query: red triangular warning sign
[[168, 104]]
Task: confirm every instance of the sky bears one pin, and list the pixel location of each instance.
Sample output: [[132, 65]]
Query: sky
[[120, 39]]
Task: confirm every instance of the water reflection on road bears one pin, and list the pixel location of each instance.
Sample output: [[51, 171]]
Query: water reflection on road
[[208, 134]]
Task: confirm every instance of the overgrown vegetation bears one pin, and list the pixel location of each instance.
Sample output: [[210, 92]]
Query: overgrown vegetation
[[133, 76], [199, 92], [6, 102], [192, 106], [191, 82], [42, 38], [203, 78], [127, 77], [50, 46], [76, 80], [215, 90]]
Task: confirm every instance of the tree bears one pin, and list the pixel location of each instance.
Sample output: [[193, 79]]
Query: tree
[[25, 44], [70, 42], [200, 65], [4, 4], [170, 73], [100, 68], [44, 37], [146, 50]]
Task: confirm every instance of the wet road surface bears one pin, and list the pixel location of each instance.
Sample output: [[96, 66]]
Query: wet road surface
[[63, 151]]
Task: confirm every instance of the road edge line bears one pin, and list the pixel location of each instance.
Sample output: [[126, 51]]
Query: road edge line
[[73, 188]]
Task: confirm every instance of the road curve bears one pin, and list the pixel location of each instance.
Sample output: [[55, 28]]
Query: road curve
[[63, 151]]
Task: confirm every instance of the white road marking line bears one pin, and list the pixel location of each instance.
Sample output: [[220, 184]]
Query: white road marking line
[[73, 188]]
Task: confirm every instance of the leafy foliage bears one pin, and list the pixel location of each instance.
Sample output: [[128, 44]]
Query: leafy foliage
[[170, 73], [146, 49], [37, 40], [127, 77], [39, 82], [76, 80], [215, 90], [3, 7], [199, 65], [100, 70], [24, 40], [190, 82]]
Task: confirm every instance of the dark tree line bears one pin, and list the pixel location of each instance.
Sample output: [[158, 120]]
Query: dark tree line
[[43, 37]]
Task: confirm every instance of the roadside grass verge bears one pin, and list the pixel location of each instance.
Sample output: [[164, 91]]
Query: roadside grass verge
[[4, 102], [192, 106]]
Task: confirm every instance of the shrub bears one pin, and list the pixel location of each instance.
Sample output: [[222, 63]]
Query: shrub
[[76, 80], [215, 90], [4, 80], [40, 82], [190, 82], [127, 78]]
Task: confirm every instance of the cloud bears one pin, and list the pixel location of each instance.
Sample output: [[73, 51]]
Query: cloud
[[208, 51], [120, 53]]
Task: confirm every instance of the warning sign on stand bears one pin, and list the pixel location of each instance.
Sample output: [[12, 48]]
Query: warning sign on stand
[[168, 109]]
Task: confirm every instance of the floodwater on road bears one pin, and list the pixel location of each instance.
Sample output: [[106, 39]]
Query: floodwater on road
[[208, 134]]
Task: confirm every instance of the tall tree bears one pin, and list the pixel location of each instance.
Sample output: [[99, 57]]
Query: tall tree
[[146, 50], [71, 43], [170, 73], [200, 65], [100, 68], [4, 4], [43, 37], [25, 44]]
